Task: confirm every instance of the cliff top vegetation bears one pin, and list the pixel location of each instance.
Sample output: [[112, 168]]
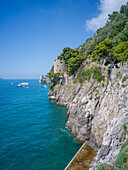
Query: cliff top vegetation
[[108, 46]]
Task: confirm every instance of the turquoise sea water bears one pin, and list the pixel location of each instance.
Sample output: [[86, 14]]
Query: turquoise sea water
[[32, 129]]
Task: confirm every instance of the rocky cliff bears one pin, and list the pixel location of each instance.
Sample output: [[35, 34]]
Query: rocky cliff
[[97, 111]]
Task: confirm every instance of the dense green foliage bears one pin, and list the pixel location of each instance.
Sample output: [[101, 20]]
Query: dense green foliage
[[74, 64], [116, 29], [121, 51], [103, 50], [94, 72], [111, 17], [109, 45], [68, 53], [107, 50], [72, 59], [52, 74]]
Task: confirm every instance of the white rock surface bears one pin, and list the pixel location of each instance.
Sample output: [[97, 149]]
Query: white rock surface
[[97, 113]]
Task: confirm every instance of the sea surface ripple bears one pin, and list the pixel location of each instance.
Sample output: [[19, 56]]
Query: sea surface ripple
[[32, 129]]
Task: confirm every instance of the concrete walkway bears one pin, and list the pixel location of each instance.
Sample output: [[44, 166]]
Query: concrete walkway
[[82, 159]]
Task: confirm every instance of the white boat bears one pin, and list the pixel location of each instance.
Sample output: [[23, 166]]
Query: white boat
[[19, 85], [45, 86], [24, 84], [11, 83]]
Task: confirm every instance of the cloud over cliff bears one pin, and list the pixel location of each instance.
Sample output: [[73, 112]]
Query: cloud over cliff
[[106, 7]]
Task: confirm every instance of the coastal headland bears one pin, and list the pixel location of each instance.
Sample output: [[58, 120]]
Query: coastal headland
[[94, 89]]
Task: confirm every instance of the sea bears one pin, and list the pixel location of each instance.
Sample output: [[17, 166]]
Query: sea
[[33, 135]]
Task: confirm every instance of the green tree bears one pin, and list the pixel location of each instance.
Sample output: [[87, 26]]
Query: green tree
[[103, 51], [74, 64], [51, 74], [113, 30], [60, 57], [121, 52], [69, 53], [72, 59], [52, 69], [124, 9], [121, 37], [112, 16]]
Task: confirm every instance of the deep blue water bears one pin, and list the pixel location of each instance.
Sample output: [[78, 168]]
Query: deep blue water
[[32, 129]]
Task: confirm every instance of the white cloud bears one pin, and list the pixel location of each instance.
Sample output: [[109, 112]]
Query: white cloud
[[106, 7]]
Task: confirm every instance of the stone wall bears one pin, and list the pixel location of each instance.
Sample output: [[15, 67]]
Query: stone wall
[[59, 66]]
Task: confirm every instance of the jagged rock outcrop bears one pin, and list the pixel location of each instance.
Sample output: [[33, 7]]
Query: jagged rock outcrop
[[97, 111], [112, 141]]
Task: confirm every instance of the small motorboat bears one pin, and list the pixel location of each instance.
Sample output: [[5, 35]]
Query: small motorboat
[[45, 86], [24, 84], [19, 85]]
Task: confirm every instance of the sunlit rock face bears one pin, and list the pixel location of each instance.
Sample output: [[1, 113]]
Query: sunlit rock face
[[97, 111]]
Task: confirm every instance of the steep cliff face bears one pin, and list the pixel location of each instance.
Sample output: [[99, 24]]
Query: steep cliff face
[[97, 111]]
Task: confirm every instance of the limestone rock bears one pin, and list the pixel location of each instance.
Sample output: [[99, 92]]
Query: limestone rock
[[97, 113]]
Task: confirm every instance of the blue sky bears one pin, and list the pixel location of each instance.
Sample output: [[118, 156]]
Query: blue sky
[[34, 32]]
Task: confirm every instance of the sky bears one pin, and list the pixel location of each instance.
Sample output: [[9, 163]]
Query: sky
[[34, 32]]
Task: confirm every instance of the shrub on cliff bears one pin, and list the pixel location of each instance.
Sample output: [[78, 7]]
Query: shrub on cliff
[[51, 86], [86, 74], [121, 162], [97, 74], [55, 79], [52, 74], [83, 75]]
